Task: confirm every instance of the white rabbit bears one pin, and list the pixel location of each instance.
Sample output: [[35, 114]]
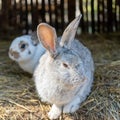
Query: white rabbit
[[26, 51], [64, 75]]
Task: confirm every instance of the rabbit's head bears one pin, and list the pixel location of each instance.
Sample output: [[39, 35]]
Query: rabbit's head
[[60, 59], [22, 49]]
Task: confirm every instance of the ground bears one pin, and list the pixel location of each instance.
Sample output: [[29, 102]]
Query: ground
[[19, 99]]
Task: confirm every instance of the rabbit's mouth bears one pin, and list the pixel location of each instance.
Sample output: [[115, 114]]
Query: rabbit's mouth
[[14, 54]]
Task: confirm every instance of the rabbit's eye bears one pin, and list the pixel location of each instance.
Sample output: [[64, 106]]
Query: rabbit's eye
[[23, 46], [65, 65]]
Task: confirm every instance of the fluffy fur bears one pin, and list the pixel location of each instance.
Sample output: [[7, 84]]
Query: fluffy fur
[[26, 51], [64, 75]]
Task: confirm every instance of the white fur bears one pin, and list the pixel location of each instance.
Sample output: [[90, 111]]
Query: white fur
[[64, 87], [27, 62]]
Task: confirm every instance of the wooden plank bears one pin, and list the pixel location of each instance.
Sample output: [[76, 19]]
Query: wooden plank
[[118, 2], [71, 10], [109, 16], [15, 14], [92, 16], [21, 17], [43, 11], [103, 15], [82, 19], [62, 14], [119, 18], [32, 14], [56, 14], [5, 14], [115, 15], [98, 16], [86, 22], [37, 4], [50, 12], [36, 14], [26, 17]]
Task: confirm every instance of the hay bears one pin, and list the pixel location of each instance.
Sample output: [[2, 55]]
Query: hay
[[19, 100]]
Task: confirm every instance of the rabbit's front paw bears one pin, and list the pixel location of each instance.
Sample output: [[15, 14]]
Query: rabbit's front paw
[[54, 112], [72, 106], [43, 100]]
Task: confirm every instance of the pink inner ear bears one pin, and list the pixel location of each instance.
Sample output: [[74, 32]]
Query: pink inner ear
[[47, 36]]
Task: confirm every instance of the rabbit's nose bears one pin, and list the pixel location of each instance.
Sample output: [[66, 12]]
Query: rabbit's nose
[[15, 54]]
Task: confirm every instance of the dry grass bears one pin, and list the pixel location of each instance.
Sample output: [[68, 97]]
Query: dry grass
[[19, 100]]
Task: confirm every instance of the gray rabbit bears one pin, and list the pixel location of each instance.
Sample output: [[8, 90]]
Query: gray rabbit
[[65, 72]]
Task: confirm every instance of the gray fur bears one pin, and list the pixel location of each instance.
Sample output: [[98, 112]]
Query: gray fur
[[66, 79]]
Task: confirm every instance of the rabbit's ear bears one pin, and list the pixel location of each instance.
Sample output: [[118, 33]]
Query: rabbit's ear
[[47, 36], [69, 32], [34, 38]]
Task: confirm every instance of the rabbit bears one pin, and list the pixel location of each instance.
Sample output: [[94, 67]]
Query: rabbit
[[26, 51], [65, 72]]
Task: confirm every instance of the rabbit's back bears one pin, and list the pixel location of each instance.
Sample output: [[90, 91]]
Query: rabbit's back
[[85, 55]]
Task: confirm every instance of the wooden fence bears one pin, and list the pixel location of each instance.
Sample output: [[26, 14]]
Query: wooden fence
[[25, 15]]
